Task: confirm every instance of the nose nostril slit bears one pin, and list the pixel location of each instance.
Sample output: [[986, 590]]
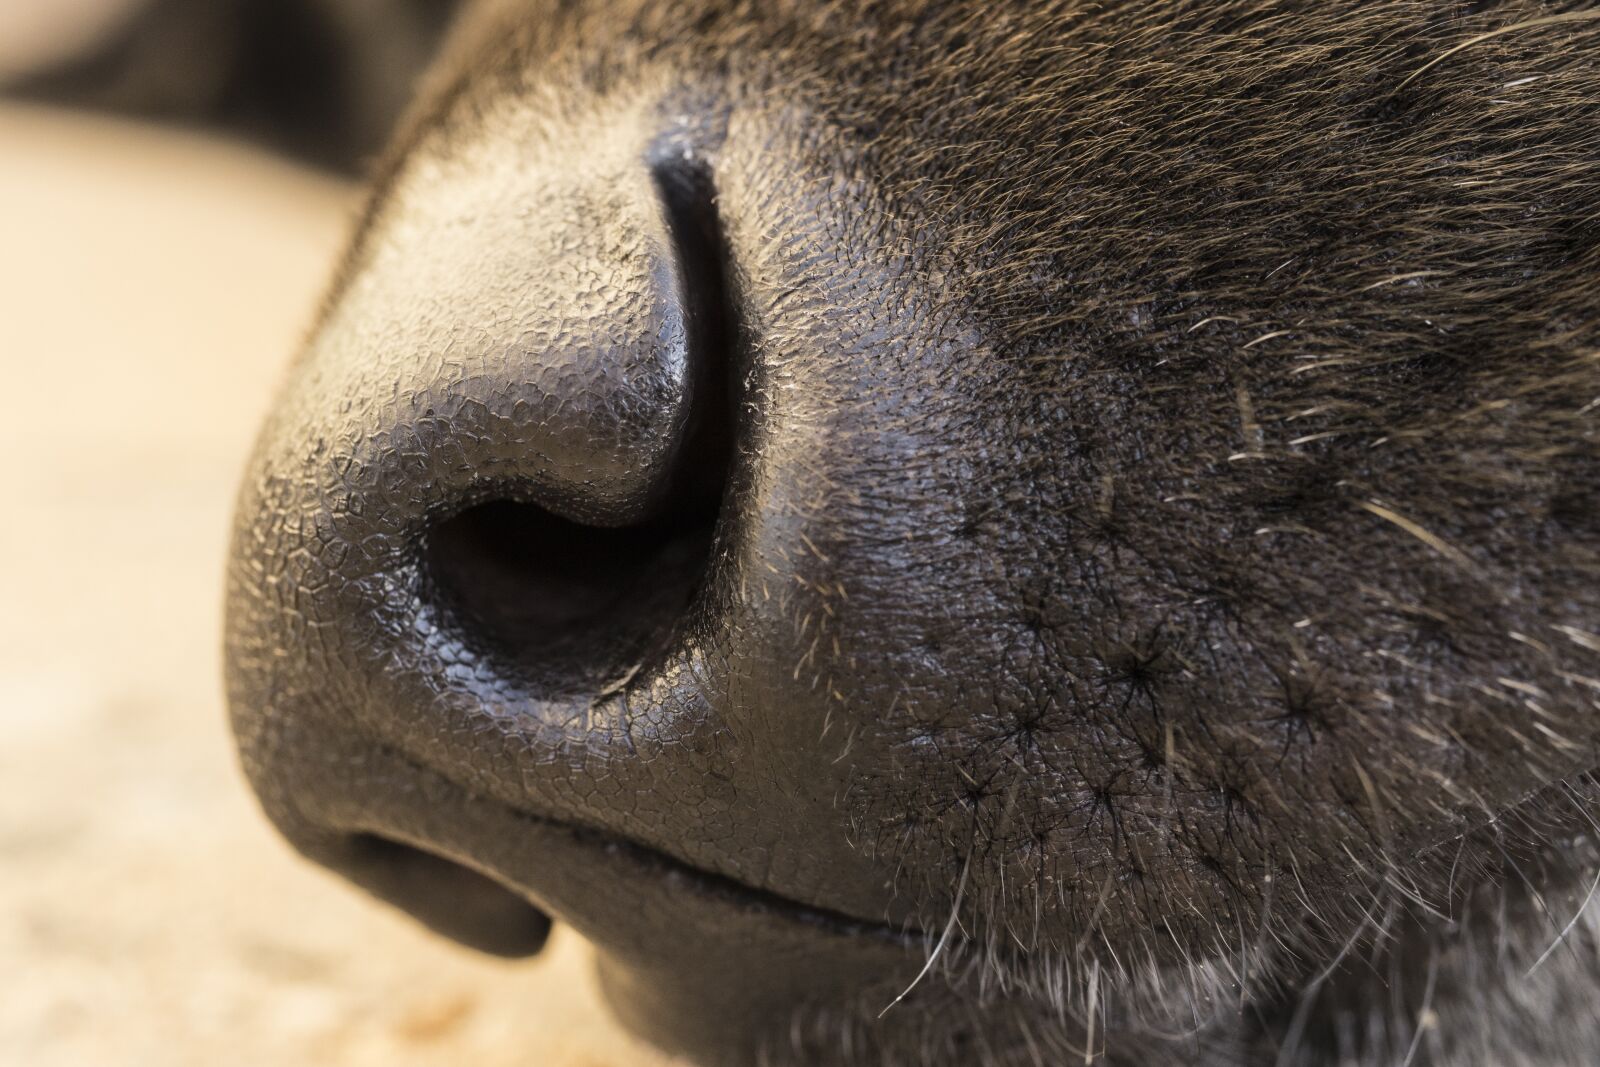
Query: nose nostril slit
[[570, 606]]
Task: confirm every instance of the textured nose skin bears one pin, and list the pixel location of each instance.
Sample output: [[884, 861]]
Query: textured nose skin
[[507, 589], [529, 523], [465, 524], [533, 568], [540, 344]]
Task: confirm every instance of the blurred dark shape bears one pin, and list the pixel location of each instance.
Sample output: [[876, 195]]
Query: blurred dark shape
[[324, 80]]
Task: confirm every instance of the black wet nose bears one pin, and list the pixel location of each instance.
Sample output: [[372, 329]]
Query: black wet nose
[[484, 505]]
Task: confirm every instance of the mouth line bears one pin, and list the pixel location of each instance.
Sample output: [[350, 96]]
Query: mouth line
[[616, 860], [653, 863]]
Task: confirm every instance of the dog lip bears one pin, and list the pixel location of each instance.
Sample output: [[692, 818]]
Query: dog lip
[[722, 890], [591, 879], [448, 897]]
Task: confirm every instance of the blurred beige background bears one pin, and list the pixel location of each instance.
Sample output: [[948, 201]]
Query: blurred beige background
[[151, 286]]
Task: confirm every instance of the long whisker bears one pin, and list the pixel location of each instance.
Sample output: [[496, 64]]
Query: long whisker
[[949, 926]]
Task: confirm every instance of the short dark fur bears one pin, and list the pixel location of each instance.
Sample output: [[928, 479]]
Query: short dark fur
[[1247, 625]]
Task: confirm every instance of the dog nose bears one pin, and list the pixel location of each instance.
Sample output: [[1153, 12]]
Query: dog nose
[[486, 499], [603, 534]]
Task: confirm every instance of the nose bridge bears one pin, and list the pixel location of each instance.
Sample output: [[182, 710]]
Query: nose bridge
[[539, 320]]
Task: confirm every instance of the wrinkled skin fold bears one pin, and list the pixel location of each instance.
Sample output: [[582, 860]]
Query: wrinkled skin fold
[[1106, 490]]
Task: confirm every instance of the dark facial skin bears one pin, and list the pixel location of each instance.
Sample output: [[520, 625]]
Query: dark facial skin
[[1103, 490]]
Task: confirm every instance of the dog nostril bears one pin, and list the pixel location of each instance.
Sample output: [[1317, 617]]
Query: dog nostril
[[570, 605], [450, 899]]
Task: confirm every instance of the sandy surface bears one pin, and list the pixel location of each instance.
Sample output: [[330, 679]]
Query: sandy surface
[[151, 286]]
